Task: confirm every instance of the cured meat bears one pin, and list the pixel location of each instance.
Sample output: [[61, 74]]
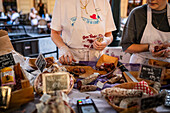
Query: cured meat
[[87, 80], [88, 88]]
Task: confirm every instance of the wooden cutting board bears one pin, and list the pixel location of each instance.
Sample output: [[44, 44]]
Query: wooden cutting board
[[88, 70]]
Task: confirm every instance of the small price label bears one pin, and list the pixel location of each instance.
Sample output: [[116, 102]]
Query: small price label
[[100, 84], [41, 62], [45, 97]]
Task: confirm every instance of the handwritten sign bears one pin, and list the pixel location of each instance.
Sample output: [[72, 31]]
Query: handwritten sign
[[55, 81], [151, 72], [152, 101], [6, 60], [40, 62]]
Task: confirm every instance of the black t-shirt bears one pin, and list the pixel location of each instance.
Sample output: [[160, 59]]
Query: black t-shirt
[[136, 23], [41, 10]]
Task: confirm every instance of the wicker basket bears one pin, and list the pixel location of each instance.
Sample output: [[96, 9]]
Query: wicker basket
[[38, 80], [126, 86]]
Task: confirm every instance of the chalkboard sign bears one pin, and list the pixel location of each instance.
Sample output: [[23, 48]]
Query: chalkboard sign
[[40, 62], [55, 81], [151, 72], [6, 60], [152, 101]]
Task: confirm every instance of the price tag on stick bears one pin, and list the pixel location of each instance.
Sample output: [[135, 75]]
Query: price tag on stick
[[41, 62]]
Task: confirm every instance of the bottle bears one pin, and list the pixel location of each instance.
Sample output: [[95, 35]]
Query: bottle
[[43, 16]]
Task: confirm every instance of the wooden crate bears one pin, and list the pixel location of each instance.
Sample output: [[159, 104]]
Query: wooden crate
[[24, 95]]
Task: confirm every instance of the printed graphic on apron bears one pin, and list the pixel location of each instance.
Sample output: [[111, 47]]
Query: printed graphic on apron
[[94, 20], [88, 41]]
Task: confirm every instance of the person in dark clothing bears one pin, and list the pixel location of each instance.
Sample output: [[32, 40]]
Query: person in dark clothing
[[41, 9], [148, 26]]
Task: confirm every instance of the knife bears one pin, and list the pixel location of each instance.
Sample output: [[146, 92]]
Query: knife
[[123, 69]]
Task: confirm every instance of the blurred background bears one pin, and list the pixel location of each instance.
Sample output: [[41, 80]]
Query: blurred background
[[28, 23]]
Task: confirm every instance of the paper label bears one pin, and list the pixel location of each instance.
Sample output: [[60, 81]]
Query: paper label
[[45, 97], [65, 97], [100, 84]]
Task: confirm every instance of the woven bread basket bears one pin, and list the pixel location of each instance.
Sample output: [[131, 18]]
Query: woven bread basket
[[39, 90], [130, 85]]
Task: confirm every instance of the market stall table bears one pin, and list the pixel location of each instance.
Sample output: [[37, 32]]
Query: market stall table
[[75, 95]]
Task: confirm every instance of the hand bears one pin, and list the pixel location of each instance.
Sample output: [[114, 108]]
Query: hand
[[65, 56], [160, 50], [100, 44]]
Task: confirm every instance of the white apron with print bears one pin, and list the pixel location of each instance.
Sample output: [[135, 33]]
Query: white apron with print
[[80, 29], [151, 35]]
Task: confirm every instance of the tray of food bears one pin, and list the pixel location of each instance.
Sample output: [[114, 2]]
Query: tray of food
[[83, 71], [124, 96]]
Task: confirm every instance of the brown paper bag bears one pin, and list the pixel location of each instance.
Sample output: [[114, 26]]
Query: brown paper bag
[[107, 59], [5, 43]]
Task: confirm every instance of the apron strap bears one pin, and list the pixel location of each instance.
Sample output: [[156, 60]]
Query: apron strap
[[149, 15]]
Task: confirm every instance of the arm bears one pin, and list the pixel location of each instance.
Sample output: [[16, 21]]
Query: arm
[[65, 56], [56, 38], [136, 48]]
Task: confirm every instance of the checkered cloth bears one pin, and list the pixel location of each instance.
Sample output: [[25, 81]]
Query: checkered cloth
[[144, 87]]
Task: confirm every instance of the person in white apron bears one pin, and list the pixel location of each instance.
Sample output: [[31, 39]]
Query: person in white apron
[[80, 21], [142, 44]]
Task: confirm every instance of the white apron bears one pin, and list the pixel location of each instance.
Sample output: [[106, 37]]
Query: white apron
[[80, 29], [151, 35]]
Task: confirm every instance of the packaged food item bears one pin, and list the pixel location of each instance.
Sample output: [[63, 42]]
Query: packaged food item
[[7, 76], [100, 38], [87, 80], [129, 102], [115, 79], [18, 77], [55, 104]]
